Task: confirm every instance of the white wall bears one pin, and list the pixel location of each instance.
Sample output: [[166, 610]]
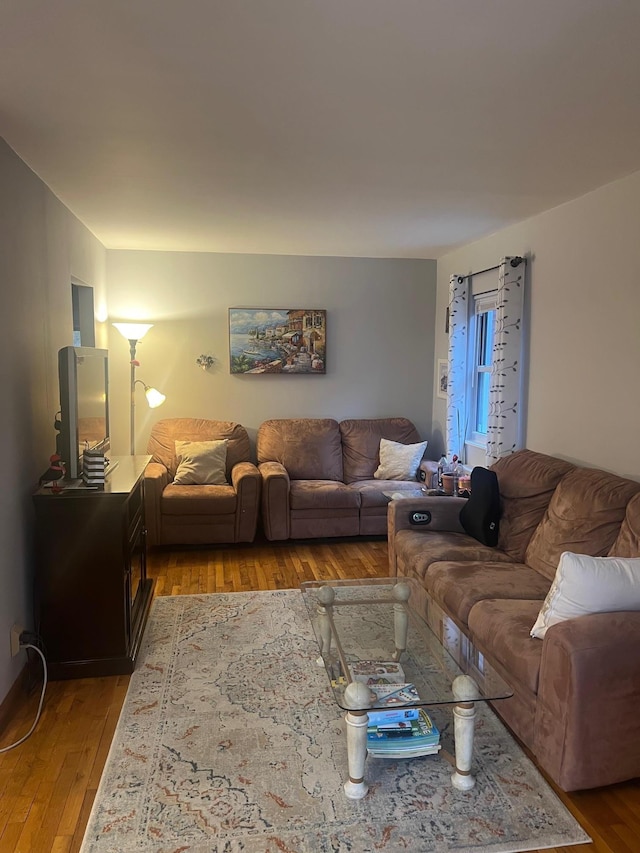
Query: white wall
[[583, 277], [379, 337], [41, 246]]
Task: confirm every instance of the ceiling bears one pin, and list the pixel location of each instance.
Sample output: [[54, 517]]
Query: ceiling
[[374, 128]]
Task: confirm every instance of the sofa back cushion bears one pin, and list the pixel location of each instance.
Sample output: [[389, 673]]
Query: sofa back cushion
[[361, 443], [165, 433], [627, 543], [527, 480], [309, 448], [584, 516]]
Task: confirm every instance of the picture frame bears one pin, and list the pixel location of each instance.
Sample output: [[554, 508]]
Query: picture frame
[[442, 378], [277, 341]]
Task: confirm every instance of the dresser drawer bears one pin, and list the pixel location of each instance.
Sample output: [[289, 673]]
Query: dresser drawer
[[134, 507]]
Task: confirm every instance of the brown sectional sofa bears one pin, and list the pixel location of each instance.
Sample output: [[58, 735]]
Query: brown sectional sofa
[[577, 691], [317, 475]]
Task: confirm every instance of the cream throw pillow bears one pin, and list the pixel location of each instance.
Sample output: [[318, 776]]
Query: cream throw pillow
[[201, 463], [589, 585], [399, 461]]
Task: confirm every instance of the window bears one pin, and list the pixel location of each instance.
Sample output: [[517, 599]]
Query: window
[[483, 324], [486, 360]]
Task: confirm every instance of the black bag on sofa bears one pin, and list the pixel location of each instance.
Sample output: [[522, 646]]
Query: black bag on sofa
[[480, 516]]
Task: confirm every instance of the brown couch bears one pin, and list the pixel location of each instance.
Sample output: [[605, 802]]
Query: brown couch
[[200, 515], [577, 691], [317, 475]]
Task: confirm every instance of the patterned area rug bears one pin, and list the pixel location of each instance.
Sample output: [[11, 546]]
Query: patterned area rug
[[230, 741]]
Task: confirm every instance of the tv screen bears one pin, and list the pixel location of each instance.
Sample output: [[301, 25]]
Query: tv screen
[[84, 405]]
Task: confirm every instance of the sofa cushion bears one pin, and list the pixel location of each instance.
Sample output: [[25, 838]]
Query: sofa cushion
[[201, 463], [198, 500], [361, 443], [584, 585], [527, 481], [418, 550], [399, 461], [584, 516], [322, 494], [309, 448], [500, 629], [460, 585], [627, 543], [372, 492]]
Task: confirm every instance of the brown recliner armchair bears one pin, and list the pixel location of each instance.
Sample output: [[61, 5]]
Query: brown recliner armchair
[[200, 514]]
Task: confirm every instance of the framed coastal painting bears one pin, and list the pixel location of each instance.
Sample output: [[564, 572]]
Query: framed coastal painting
[[277, 340], [442, 378]]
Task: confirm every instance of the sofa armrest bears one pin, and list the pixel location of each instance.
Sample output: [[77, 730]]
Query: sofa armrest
[[426, 469], [243, 471], [587, 726], [156, 478], [442, 513], [245, 479], [275, 500]]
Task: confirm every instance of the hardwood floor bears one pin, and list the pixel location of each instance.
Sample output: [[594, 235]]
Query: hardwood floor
[[47, 785]]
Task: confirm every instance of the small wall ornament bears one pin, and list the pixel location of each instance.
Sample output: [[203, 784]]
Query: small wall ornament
[[205, 361]]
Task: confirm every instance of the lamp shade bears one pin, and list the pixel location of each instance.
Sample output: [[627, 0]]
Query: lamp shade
[[133, 331], [154, 397]]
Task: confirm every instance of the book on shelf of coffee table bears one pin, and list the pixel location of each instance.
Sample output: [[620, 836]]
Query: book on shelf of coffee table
[[404, 739]]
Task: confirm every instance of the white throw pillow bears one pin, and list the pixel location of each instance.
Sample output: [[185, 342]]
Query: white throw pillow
[[399, 461], [589, 585], [201, 463]]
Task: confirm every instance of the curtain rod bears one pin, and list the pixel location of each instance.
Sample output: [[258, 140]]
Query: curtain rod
[[479, 272], [515, 262]]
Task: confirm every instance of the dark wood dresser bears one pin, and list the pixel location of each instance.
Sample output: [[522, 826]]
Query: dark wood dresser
[[92, 594]]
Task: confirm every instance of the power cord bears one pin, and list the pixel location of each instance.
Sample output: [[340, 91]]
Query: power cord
[[44, 687]]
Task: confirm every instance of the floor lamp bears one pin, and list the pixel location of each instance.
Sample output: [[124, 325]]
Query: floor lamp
[[134, 332]]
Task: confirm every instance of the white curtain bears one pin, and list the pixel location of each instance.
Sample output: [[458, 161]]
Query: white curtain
[[457, 379], [504, 433]]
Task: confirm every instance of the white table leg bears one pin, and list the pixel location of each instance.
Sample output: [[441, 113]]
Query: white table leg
[[326, 596], [464, 713], [358, 696], [401, 593]]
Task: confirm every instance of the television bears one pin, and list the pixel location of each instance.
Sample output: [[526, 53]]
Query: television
[[83, 373]]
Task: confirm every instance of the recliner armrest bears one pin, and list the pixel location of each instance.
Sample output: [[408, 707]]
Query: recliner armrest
[[444, 512], [426, 469], [245, 479], [241, 471], [275, 500], [440, 513], [156, 479]]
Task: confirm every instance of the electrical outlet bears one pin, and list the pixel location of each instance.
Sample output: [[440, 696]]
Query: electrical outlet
[[16, 632]]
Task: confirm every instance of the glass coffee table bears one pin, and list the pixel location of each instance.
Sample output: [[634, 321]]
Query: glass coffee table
[[367, 626]]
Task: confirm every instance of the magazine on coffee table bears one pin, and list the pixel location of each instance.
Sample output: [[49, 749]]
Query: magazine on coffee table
[[372, 672]]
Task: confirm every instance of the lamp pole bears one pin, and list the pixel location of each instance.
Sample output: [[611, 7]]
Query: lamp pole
[[132, 429], [134, 332]]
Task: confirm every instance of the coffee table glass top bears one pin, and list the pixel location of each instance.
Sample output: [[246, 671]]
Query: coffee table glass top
[[372, 630]]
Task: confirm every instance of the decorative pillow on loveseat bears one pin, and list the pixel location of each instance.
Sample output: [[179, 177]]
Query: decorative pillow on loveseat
[[584, 584], [399, 461], [201, 463]]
